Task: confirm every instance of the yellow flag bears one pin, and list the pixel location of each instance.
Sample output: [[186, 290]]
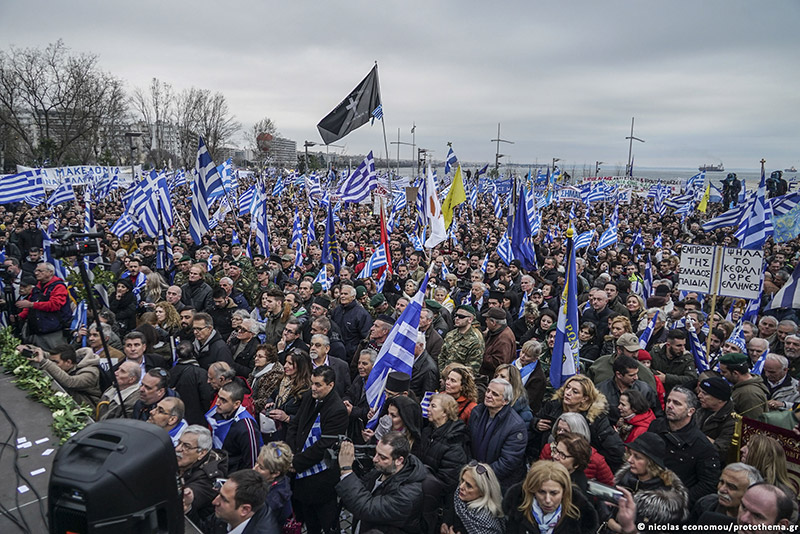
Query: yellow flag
[[456, 196], [704, 201]]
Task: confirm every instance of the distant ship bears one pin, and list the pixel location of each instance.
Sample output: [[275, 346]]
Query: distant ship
[[790, 169], [712, 168]]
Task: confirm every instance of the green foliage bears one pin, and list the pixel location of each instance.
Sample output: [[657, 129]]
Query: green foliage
[[68, 417], [101, 276]]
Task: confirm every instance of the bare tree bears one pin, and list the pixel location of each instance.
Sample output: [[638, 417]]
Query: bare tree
[[156, 107], [216, 124], [55, 103], [262, 135]]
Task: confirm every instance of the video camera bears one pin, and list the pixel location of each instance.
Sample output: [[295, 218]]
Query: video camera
[[75, 244], [362, 452]]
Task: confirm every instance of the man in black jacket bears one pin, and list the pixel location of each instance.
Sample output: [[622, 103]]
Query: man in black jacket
[[190, 381], [425, 372], [199, 467], [196, 292], [353, 320], [321, 413], [390, 496], [689, 453], [208, 344]]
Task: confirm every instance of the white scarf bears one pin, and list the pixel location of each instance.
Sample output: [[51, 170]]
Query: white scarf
[[546, 522]]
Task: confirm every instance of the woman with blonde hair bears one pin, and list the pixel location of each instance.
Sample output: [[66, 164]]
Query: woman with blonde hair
[[546, 503], [459, 383], [168, 318], [619, 325], [519, 398], [477, 504], [767, 455], [579, 395], [274, 460]]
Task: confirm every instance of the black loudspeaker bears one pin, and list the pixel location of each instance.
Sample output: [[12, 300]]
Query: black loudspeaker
[[118, 476]]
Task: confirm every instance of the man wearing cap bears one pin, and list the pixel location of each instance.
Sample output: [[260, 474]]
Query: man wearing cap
[[672, 363], [380, 306], [464, 344], [628, 345], [442, 318], [182, 276], [500, 345], [781, 387], [715, 416], [749, 392]]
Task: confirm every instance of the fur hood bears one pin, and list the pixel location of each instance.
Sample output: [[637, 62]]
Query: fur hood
[[599, 406], [656, 503]]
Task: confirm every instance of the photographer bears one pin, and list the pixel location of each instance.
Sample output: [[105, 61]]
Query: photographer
[[390, 496], [80, 379], [48, 311]]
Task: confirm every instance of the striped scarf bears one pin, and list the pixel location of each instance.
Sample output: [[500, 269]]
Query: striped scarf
[[313, 436]]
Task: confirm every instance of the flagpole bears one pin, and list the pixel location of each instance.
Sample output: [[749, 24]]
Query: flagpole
[[385, 142], [714, 283]]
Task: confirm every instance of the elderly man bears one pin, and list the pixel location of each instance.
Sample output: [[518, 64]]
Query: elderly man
[[749, 391], [353, 320], [767, 328], [128, 376], [209, 346], [791, 349], [498, 435], [199, 467], [787, 327], [243, 348], [781, 388], [168, 414], [715, 416], [173, 296], [433, 341], [425, 373], [319, 350], [733, 483], [47, 311], [464, 344], [234, 294], [324, 326], [756, 348], [500, 343]]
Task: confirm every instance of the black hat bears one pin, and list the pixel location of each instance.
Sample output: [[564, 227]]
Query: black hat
[[716, 387], [235, 264], [496, 295], [126, 282], [275, 258], [388, 319], [651, 445], [27, 280], [662, 290], [397, 382], [496, 314], [323, 301]]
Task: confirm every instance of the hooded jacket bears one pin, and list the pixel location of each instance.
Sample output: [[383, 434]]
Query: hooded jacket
[[394, 506], [750, 397], [82, 382], [656, 503]]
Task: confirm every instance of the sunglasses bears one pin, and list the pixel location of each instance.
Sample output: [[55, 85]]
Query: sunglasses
[[479, 468], [461, 316]]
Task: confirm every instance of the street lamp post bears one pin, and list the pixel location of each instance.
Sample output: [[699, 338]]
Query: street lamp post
[[131, 136], [305, 146], [554, 164], [497, 154], [398, 143], [629, 169], [597, 168]]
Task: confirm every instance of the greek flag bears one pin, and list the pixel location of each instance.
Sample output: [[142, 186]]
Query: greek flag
[[788, 296], [375, 261], [637, 240], [399, 201], [79, 320], [609, 237], [522, 304], [123, 225], [756, 225], [697, 349], [647, 333], [382, 281], [758, 367], [312, 188], [323, 279], [473, 197], [63, 194], [262, 224], [21, 186], [498, 210], [377, 113], [246, 201], [297, 232], [422, 217], [485, 263], [451, 160], [105, 184], [534, 220], [415, 241], [397, 352], [648, 278], [151, 197], [358, 185], [312, 232], [207, 183], [229, 181], [679, 201], [178, 179], [313, 436], [278, 188], [584, 239], [425, 403], [48, 256], [596, 194], [565, 351]]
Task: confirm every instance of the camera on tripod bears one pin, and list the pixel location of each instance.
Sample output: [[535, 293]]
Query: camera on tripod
[[75, 244], [362, 452]]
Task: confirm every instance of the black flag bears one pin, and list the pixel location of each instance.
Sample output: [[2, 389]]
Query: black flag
[[356, 109]]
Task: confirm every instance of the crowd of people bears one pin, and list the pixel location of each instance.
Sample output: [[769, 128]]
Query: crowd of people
[[254, 370]]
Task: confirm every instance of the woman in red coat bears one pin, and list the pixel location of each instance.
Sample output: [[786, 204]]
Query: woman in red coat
[[635, 415], [597, 469]]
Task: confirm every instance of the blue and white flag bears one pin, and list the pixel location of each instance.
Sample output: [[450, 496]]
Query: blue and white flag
[[262, 225], [322, 278], [637, 240], [79, 320], [297, 231], [483, 170], [584, 239], [278, 188], [647, 333], [608, 238], [312, 231], [648, 278], [48, 256], [206, 184], [697, 349], [485, 263], [177, 179], [360, 183], [657, 242], [596, 194], [246, 201], [123, 225], [756, 222], [381, 281], [504, 249], [522, 304], [150, 200], [375, 261], [416, 242], [313, 436], [397, 352], [788, 296], [450, 161], [22, 186], [473, 197], [566, 349], [758, 367], [425, 403], [498, 209], [63, 194]]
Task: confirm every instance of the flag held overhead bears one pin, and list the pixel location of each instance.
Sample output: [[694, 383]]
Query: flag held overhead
[[354, 111]]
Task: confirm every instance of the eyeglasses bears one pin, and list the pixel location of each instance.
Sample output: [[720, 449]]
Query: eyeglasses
[[479, 468], [555, 453], [199, 329], [461, 316], [184, 445], [160, 410]]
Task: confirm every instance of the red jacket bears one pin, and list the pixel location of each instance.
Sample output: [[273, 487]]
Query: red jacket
[[58, 298], [640, 422], [596, 470]]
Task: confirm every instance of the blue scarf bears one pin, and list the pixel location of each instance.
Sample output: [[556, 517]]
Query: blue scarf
[[313, 435], [220, 427], [525, 372], [546, 522]]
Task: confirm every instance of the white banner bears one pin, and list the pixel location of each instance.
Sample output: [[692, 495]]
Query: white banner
[[79, 174], [697, 266], [741, 273]]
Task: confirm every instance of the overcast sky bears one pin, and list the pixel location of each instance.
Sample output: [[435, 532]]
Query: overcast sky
[[707, 81]]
